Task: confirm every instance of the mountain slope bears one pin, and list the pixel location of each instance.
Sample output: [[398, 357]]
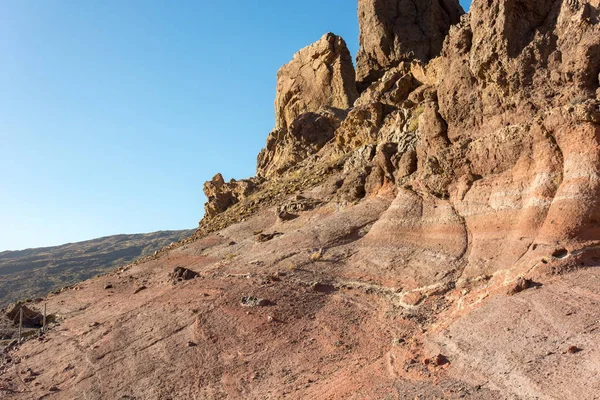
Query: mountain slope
[[34, 273], [438, 238]]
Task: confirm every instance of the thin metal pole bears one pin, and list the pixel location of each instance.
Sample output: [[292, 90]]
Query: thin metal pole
[[20, 322], [44, 327]]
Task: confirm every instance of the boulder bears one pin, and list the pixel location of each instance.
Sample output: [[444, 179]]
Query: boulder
[[182, 274]]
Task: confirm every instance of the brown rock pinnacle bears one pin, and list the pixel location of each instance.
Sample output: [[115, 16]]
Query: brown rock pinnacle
[[392, 31], [311, 90]]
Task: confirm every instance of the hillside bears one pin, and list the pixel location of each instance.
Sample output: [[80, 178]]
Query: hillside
[[423, 225], [34, 273]]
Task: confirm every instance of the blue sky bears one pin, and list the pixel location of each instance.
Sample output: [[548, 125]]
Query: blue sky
[[114, 113]]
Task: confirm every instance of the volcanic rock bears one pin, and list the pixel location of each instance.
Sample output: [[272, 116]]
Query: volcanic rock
[[265, 237], [519, 285], [392, 31], [252, 301], [223, 195], [306, 135], [443, 185], [320, 75], [182, 274], [312, 90], [291, 208]]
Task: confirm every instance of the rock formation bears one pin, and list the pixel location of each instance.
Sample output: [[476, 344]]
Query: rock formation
[[429, 238], [221, 195], [312, 89], [392, 31]]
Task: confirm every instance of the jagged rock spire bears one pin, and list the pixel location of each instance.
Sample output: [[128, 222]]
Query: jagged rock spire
[[392, 31], [320, 76]]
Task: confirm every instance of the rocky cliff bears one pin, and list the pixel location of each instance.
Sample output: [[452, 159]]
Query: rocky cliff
[[392, 31], [491, 148], [313, 90], [425, 226]]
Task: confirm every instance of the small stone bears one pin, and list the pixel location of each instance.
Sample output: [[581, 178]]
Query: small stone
[[573, 349], [108, 286], [252, 301], [412, 298], [265, 237], [286, 216], [191, 344], [440, 359], [519, 285], [322, 287], [182, 274]]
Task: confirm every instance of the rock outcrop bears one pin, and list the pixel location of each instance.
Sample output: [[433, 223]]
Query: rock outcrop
[[429, 238], [392, 31], [312, 91], [223, 195], [493, 146], [505, 145]]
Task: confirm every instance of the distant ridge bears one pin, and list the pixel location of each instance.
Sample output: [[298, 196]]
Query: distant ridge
[[34, 272]]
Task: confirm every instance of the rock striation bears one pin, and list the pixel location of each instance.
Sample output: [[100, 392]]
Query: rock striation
[[503, 146], [491, 149], [423, 237], [392, 31]]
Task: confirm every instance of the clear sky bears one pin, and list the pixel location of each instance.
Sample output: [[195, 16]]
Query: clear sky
[[113, 113]]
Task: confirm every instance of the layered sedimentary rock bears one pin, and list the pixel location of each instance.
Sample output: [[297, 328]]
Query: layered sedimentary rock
[[392, 31], [312, 91], [508, 142], [492, 148], [399, 240]]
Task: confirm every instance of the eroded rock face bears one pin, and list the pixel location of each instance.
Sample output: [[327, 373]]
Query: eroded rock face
[[223, 195], [507, 146], [320, 75], [306, 135], [312, 90], [492, 148], [448, 185], [518, 57], [392, 31]]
